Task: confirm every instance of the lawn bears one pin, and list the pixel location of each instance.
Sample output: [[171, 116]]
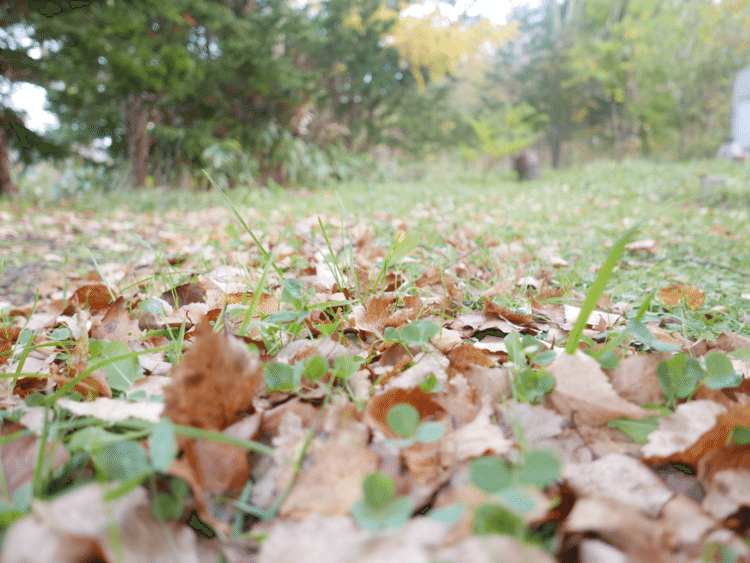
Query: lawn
[[446, 362]]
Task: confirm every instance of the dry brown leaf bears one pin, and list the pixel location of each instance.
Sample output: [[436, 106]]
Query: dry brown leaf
[[681, 431], [688, 525], [635, 378], [339, 540], [583, 390], [620, 525], [214, 382], [691, 295], [465, 355], [730, 341], [479, 437], [490, 549], [19, 456], [114, 410], [619, 478], [116, 324], [93, 297], [78, 525], [729, 491], [507, 314], [379, 405], [217, 467]]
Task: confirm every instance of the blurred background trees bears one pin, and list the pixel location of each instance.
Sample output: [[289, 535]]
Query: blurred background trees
[[298, 91]]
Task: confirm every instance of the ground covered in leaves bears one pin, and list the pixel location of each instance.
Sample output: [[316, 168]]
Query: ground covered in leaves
[[447, 369]]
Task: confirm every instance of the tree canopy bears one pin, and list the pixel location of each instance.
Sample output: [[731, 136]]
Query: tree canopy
[[271, 88]]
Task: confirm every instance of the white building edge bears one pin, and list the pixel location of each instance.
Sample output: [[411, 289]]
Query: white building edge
[[741, 109]]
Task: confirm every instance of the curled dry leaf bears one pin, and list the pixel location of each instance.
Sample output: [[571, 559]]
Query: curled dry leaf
[[581, 387], [214, 382]]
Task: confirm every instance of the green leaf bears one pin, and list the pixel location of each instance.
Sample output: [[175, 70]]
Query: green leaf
[[346, 366], [91, 438], [491, 518], [427, 329], [163, 445], [152, 306], [390, 334], [740, 436], [515, 350], [121, 374], [517, 499], [60, 333], [544, 358], [410, 333], [741, 354], [393, 515], [641, 332], [378, 489], [637, 430], [446, 514], [429, 432], [531, 345], [403, 247], [403, 419], [431, 384], [293, 291], [489, 473], [678, 377], [533, 384], [280, 317], [316, 367], [170, 505], [720, 373], [609, 360], [280, 377], [123, 461], [539, 469]]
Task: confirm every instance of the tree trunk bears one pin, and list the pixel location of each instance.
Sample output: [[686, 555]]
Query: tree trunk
[[554, 138], [6, 181], [137, 140]]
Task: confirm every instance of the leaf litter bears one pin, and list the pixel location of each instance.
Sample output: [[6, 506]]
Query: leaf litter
[[191, 408]]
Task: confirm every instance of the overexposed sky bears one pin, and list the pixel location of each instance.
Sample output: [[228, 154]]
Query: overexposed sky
[[496, 11]]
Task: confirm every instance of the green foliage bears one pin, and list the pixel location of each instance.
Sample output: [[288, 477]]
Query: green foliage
[[680, 376], [415, 333], [530, 384], [637, 430], [501, 514], [403, 419], [122, 367], [380, 508]]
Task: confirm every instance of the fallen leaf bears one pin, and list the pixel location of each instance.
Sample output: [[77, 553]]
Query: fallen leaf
[[619, 478], [214, 382], [583, 390]]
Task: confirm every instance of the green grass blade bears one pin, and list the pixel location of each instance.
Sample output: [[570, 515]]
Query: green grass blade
[[244, 225], [596, 290]]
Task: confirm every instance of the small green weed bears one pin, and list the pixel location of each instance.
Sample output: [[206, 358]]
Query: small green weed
[[380, 508], [529, 384]]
